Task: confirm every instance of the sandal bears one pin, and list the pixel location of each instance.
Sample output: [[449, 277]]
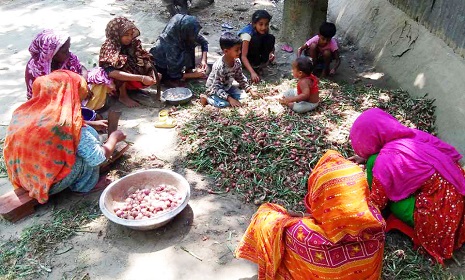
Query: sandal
[[102, 184], [164, 121], [226, 26], [287, 48], [168, 123]]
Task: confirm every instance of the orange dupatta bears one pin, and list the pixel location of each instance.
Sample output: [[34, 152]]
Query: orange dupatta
[[337, 197], [44, 132], [343, 240]]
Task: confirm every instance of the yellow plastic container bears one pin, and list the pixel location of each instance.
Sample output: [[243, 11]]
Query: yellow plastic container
[[164, 121], [163, 116]]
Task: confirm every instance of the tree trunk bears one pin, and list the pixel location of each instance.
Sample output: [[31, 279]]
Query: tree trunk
[[301, 20]]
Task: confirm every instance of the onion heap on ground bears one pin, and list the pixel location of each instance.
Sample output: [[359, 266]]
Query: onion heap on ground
[[265, 152]]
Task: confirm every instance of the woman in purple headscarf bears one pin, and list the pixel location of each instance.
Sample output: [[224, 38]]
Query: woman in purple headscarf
[[418, 176], [49, 52]]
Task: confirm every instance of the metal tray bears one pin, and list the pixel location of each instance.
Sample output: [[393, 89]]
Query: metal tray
[[177, 96]]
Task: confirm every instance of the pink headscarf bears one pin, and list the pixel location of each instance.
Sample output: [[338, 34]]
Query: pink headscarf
[[407, 157], [43, 48]]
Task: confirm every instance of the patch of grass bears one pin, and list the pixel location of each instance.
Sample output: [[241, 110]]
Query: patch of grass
[[401, 262], [265, 152], [26, 257], [197, 88], [3, 172]]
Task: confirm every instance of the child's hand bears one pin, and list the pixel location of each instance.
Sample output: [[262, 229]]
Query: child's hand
[[203, 66], [198, 74], [148, 81], [234, 103], [199, 69], [255, 94], [254, 77], [100, 125]]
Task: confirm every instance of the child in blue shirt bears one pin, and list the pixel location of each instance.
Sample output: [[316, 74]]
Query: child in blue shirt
[[257, 43]]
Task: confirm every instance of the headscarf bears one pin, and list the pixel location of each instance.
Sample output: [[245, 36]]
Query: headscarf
[[174, 48], [136, 60], [344, 238], [407, 157], [44, 132], [337, 198], [182, 30], [43, 48]]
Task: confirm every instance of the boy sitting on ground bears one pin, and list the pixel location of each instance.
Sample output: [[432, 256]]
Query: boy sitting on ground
[[306, 98], [220, 91], [323, 49]]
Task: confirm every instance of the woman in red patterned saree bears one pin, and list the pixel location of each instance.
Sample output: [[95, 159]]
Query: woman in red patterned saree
[[418, 177], [342, 238]]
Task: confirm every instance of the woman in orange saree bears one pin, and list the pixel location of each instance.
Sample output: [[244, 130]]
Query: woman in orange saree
[[48, 147], [341, 238]]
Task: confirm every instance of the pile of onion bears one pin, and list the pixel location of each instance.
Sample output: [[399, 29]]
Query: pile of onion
[[149, 202]]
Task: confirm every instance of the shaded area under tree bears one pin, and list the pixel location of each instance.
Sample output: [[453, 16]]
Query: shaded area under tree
[[302, 19]]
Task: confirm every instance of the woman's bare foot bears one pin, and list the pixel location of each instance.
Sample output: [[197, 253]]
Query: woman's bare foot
[[127, 101], [102, 183]]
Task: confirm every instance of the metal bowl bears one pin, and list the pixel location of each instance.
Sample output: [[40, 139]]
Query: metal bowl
[[177, 95], [115, 194]]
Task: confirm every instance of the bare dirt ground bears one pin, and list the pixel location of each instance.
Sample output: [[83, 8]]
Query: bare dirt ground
[[211, 226]]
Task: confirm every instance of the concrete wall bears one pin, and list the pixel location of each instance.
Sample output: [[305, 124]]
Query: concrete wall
[[444, 18], [419, 61]]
